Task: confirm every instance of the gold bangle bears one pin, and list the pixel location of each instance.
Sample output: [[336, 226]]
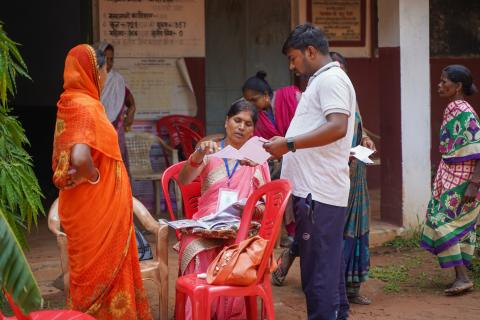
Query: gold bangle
[[98, 178]]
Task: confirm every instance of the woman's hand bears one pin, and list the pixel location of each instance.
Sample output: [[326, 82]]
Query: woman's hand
[[367, 142], [74, 179], [195, 164], [471, 192], [207, 147], [248, 163], [204, 148], [82, 168], [129, 117]]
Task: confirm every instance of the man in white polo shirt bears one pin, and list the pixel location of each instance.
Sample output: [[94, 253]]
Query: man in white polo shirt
[[315, 154]]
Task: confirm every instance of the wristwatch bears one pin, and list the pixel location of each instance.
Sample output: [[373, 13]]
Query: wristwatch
[[291, 145]]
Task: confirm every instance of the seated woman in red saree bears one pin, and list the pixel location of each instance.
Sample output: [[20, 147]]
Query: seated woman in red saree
[[218, 176], [95, 201]]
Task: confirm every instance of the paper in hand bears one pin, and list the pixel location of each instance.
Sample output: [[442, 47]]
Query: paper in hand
[[251, 150], [362, 153]]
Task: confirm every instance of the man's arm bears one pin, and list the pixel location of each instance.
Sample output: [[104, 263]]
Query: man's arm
[[334, 129]]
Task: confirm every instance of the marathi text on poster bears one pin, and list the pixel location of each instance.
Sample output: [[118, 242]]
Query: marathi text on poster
[[154, 28], [341, 20]]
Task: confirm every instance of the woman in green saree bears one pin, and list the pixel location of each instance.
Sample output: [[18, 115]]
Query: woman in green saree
[[452, 213]]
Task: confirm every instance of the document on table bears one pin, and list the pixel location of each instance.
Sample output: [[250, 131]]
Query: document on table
[[362, 153], [252, 150]]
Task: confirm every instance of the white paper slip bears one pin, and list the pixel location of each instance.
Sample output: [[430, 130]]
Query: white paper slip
[[228, 152], [251, 150], [362, 154]]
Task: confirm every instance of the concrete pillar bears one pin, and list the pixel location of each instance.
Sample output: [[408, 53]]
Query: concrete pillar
[[415, 98], [403, 35]]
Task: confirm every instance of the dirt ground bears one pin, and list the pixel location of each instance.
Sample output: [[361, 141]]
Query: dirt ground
[[412, 287]]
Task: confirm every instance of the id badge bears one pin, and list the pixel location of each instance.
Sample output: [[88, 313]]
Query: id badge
[[226, 197]]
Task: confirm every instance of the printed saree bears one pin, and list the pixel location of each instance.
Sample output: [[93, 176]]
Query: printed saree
[[196, 252], [285, 103], [356, 232], [449, 230], [105, 279]]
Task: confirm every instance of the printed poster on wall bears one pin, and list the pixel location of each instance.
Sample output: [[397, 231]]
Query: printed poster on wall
[[343, 21], [154, 28], [161, 86], [151, 39]]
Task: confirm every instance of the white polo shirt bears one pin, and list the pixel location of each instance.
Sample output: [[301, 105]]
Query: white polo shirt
[[322, 171]]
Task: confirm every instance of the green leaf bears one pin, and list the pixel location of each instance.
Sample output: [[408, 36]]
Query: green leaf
[[16, 277]]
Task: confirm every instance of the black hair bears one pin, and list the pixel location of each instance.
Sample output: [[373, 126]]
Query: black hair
[[109, 47], [100, 58], [460, 74], [338, 57], [306, 35], [258, 83], [243, 105]]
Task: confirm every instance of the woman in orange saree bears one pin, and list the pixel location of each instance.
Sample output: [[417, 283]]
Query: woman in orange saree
[[95, 201]]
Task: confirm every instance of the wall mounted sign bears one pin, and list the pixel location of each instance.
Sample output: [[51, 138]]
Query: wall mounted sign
[[154, 28], [343, 21]]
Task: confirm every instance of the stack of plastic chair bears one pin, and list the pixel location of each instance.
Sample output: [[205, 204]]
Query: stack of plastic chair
[[139, 145], [202, 294], [188, 139], [181, 130]]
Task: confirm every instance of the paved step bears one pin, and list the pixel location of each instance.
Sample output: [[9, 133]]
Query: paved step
[[381, 232]]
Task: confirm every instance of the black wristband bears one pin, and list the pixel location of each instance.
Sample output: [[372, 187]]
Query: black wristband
[[291, 145]]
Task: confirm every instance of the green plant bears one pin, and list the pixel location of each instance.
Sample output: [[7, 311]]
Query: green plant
[[20, 194], [475, 272], [409, 239], [392, 275], [16, 276]]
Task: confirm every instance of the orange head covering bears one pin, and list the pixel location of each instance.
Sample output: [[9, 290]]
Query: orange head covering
[[81, 116]]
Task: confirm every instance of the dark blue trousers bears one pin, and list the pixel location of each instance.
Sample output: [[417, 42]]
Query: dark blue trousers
[[319, 237]]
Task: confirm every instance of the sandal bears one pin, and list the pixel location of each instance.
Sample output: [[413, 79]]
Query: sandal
[[284, 263], [454, 291], [286, 242], [362, 300]]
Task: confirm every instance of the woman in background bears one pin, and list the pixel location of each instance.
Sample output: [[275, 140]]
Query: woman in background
[[117, 99], [453, 210], [357, 225], [275, 112]]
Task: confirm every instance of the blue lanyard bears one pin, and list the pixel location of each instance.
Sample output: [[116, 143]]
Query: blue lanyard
[[225, 160]]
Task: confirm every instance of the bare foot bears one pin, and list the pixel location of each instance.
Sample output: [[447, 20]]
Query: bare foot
[[459, 286]]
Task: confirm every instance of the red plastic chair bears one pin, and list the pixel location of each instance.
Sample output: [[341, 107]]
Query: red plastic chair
[[190, 193], [168, 123], [45, 314], [183, 132], [202, 294], [188, 138]]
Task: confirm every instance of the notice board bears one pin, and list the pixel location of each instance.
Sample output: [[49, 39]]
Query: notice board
[[343, 21], [151, 39]]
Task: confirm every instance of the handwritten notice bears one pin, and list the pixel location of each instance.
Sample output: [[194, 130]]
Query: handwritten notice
[[341, 20], [161, 86], [154, 28]]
